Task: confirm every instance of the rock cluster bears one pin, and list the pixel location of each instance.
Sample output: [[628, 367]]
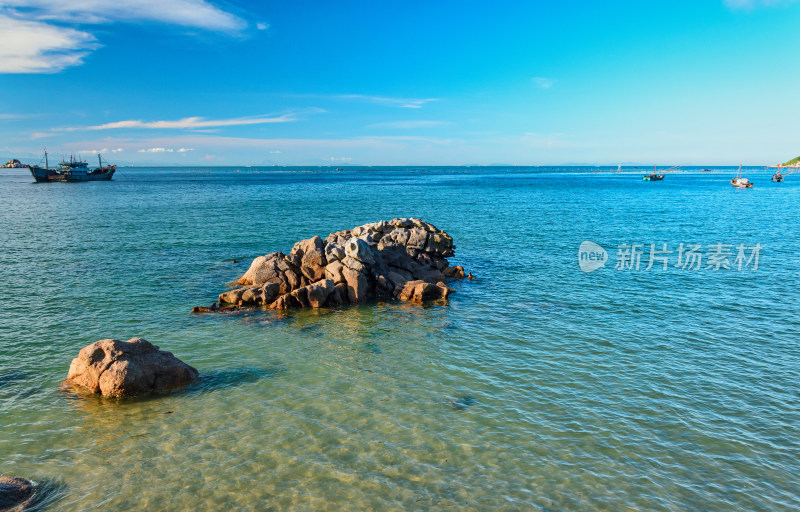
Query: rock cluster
[[117, 368], [401, 258], [15, 494]]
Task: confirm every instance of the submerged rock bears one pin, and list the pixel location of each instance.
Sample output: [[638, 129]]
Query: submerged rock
[[16, 494], [462, 402], [401, 258], [117, 368]]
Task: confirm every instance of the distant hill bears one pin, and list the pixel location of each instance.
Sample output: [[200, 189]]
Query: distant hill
[[793, 161]]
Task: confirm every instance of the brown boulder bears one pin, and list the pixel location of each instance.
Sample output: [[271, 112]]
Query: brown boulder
[[357, 285], [333, 271], [117, 368], [456, 272], [252, 295], [309, 256], [418, 291]]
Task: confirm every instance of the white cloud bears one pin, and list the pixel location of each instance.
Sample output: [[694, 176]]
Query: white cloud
[[262, 26], [187, 13], [275, 152], [184, 150], [35, 47], [35, 40], [156, 150], [407, 125], [544, 83]]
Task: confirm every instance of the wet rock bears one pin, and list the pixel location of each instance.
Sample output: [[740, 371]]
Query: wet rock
[[319, 291], [260, 295], [456, 272], [338, 297], [419, 291], [117, 368], [16, 494], [462, 402]]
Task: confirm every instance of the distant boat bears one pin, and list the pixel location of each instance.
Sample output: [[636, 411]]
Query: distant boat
[[72, 171], [706, 170], [778, 177], [654, 176], [740, 182]]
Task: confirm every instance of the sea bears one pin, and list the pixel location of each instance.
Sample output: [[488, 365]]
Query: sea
[[625, 345]]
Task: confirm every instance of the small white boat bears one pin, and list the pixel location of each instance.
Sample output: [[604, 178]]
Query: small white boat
[[740, 182]]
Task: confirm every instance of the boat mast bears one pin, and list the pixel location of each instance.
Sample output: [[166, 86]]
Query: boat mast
[[99, 161], [46, 165]]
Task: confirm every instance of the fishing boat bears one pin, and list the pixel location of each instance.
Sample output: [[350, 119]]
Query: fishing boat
[[777, 177], [654, 176], [74, 170], [740, 182], [706, 170]]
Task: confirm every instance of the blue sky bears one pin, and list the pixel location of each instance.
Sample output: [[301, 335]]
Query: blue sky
[[206, 82]]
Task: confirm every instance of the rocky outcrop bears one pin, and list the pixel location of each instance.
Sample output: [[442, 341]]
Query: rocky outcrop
[[401, 258], [117, 368], [16, 494]]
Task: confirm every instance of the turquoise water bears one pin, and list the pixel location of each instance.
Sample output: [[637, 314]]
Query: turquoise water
[[537, 387]]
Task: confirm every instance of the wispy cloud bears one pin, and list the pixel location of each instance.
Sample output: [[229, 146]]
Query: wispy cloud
[[35, 39], [164, 150], [409, 138], [36, 47], [544, 83], [100, 151], [262, 26], [392, 102], [187, 123], [380, 100], [41, 135], [187, 13], [752, 4], [12, 117], [407, 125]]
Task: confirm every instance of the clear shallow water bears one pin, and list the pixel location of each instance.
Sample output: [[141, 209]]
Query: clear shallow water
[[537, 387]]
